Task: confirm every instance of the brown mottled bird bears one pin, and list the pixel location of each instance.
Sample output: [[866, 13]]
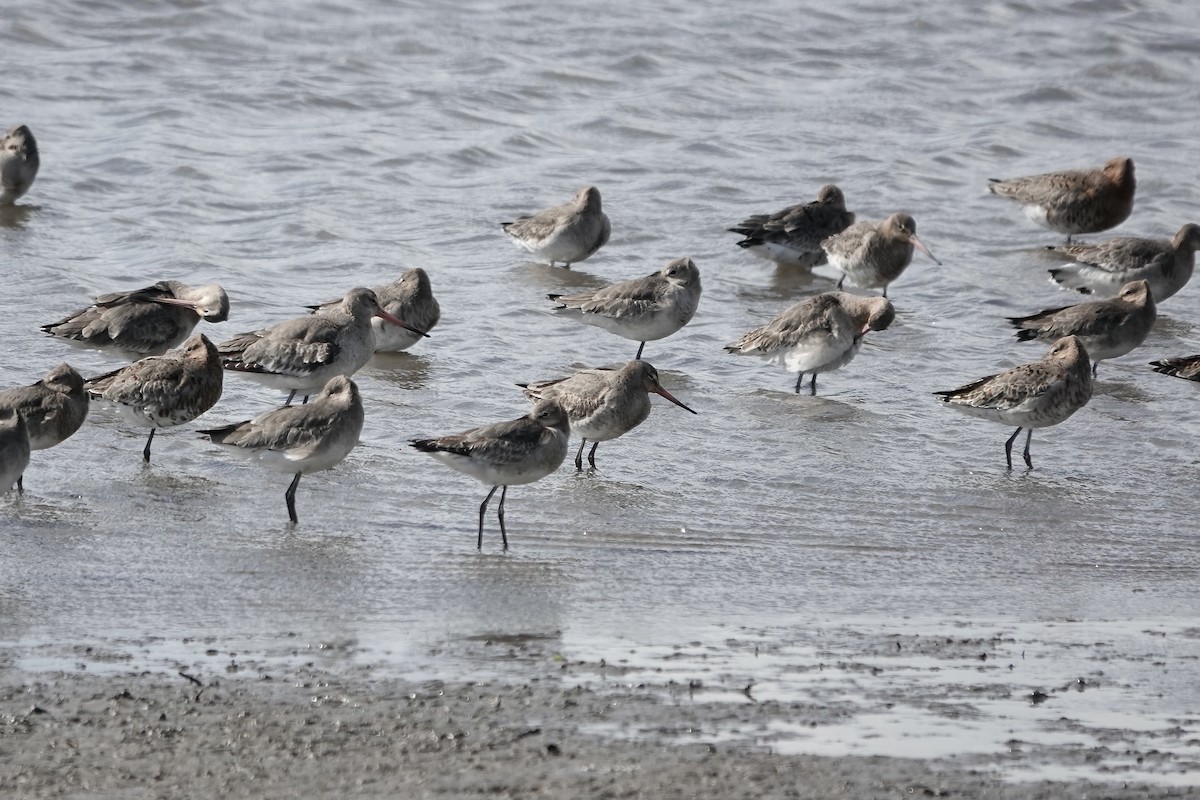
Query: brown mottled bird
[[1074, 201], [164, 391], [873, 254], [1030, 396]]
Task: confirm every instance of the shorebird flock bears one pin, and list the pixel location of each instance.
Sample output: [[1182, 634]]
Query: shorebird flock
[[177, 375]]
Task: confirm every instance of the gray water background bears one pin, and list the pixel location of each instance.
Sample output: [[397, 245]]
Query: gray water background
[[290, 151]]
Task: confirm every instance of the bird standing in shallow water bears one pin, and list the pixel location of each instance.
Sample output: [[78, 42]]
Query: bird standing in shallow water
[[297, 440], [642, 309], [14, 450], [1032, 395], [19, 163], [506, 453], [145, 322], [873, 254], [1074, 201], [164, 391], [820, 334], [569, 233], [302, 354], [1106, 328], [603, 404], [53, 408], [1103, 268], [792, 237]]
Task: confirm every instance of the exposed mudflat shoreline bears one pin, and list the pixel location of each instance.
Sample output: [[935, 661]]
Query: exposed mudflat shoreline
[[232, 725]]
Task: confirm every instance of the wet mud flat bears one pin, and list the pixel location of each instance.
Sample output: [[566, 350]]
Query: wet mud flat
[[534, 716]]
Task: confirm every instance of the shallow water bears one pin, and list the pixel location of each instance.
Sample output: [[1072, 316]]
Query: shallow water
[[291, 152]]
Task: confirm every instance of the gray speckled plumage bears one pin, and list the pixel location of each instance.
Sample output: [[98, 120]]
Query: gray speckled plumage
[[792, 237], [145, 322], [505, 454], [1030, 396], [1103, 268], [643, 309], [819, 334], [14, 449], [300, 355], [19, 162], [1074, 201], [569, 233], [874, 254], [298, 440], [167, 390], [1107, 328], [603, 404]]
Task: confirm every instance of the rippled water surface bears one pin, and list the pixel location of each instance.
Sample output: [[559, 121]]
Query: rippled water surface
[[291, 151]]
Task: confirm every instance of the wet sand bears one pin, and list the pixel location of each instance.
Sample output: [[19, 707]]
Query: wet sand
[[316, 722]]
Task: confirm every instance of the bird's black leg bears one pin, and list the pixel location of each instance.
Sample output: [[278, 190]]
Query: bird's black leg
[[799, 380], [1008, 446], [290, 496], [146, 451], [592, 454], [291, 397], [500, 516], [1094, 365], [482, 511], [840, 282], [20, 485], [641, 347], [1028, 440], [814, 385], [579, 456]]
